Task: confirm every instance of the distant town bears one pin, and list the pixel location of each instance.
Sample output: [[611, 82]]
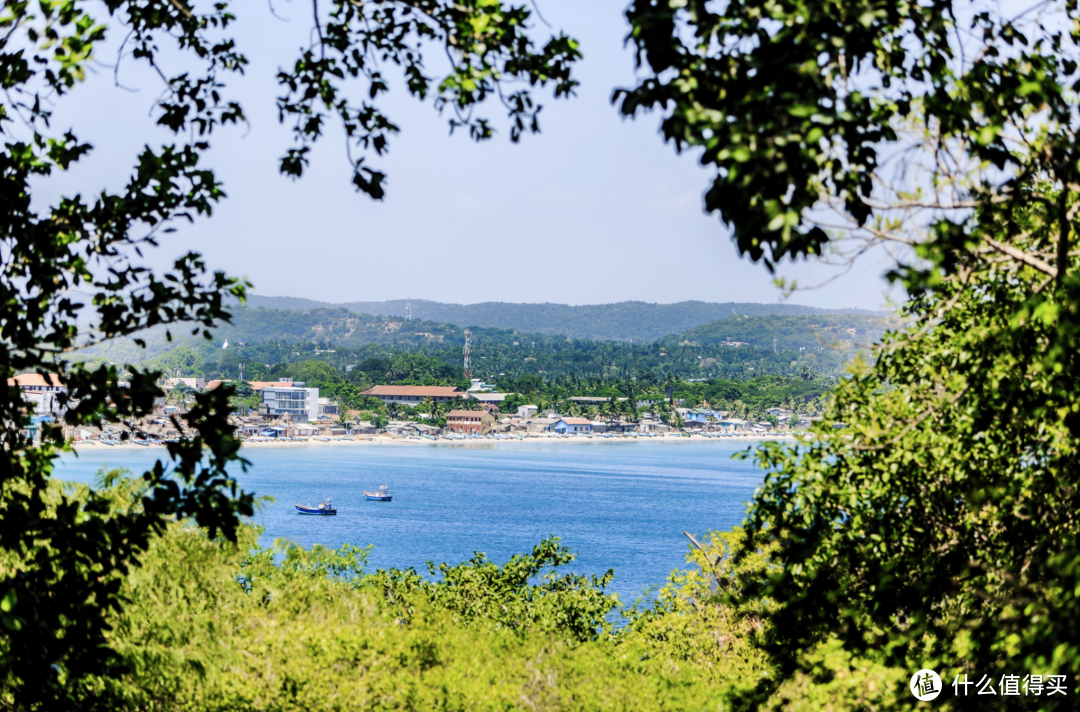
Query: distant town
[[290, 410]]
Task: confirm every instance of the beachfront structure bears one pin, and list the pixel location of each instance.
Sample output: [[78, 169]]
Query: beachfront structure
[[470, 421], [413, 395], [327, 408], [573, 426], [527, 411], [297, 405]]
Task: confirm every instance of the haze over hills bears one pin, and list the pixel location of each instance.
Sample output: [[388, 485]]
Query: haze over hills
[[621, 321], [736, 347]]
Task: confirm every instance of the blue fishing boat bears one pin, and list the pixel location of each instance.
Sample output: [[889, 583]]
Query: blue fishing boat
[[382, 495], [325, 508]]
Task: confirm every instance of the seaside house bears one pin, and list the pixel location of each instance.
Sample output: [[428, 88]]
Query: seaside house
[[470, 421], [328, 409], [540, 425], [405, 429], [289, 403], [573, 426], [527, 411]]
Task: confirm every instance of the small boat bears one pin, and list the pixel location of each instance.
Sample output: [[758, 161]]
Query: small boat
[[325, 508], [382, 495]]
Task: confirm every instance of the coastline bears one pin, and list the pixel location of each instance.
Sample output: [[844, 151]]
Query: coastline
[[384, 441]]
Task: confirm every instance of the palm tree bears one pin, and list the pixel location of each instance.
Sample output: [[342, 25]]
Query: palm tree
[[393, 409]]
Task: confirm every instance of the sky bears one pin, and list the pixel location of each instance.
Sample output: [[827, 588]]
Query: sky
[[595, 209]]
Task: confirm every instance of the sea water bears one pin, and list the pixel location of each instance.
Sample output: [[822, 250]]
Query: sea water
[[620, 505]]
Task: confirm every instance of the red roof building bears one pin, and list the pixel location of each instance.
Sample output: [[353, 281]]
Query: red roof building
[[414, 395], [37, 383]]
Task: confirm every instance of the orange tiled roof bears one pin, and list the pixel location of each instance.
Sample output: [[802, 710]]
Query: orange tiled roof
[[577, 421], [259, 385], [423, 391], [34, 379], [465, 414]]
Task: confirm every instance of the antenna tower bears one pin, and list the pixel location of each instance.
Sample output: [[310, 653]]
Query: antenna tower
[[408, 309], [467, 353]]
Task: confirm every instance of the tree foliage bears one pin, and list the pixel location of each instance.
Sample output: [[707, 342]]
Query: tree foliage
[[62, 559]]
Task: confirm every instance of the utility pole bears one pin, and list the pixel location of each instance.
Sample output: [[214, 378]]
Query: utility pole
[[467, 353]]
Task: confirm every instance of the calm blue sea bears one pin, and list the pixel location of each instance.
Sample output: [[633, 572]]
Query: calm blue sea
[[621, 505]]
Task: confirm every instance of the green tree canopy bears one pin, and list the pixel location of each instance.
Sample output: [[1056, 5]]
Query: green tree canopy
[[61, 561]]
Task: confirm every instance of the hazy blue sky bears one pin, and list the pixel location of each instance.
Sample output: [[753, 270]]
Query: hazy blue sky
[[595, 209]]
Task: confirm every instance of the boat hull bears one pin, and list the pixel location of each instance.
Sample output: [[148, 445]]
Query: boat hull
[[314, 510], [379, 498]]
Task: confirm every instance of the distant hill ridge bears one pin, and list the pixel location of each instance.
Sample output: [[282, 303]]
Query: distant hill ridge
[[620, 321]]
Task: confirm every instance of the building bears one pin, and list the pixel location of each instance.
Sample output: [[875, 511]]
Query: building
[[36, 383], [297, 405], [540, 425], [279, 383], [589, 401], [198, 384], [527, 411], [327, 409], [407, 429], [470, 421], [41, 394], [414, 395], [573, 426], [494, 400]]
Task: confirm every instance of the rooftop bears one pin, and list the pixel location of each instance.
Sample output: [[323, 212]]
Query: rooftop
[[465, 413], [424, 391], [34, 379]]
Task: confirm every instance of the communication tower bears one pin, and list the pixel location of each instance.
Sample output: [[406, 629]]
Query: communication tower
[[467, 353], [408, 309]]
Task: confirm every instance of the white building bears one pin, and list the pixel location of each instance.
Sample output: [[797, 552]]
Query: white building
[[327, 408], [299, 405], [198, 384], [40, 393]]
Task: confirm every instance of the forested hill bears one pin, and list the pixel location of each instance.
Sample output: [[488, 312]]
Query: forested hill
[[846, 332], [741, 347], [623, 321]]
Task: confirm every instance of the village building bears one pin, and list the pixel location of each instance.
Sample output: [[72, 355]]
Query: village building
[[279, 383], [527, 411], [540, 425], [298, 405], [41, 394], [470, 421], [573, 426], [414, 395], [404, 428], [491, 400], [328, 409], [196, 383]]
